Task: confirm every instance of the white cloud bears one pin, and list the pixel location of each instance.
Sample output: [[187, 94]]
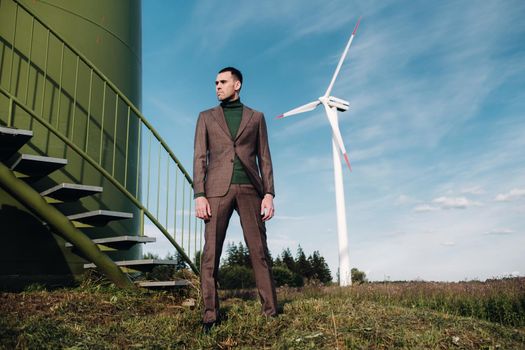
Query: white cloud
[[277, 243], [476, 190], [446, 203], [424, 208], [448, 243], [500, 232], [513, 194], [454, 202], [404, 199]]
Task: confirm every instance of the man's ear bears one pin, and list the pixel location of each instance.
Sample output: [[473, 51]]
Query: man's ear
[[237, 85]]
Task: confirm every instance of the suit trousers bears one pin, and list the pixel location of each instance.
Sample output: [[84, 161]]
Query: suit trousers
[[246, 201]]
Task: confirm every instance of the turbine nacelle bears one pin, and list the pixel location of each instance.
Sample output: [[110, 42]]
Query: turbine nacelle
[[331, 101]]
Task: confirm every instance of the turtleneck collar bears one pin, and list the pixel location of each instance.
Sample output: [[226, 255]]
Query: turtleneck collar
[[231, 104]]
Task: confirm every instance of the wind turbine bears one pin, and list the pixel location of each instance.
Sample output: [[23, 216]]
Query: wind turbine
[[331, 105]]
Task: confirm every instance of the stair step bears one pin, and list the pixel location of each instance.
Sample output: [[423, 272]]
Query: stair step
[[98, 218], [66, 192], [162, 284], [31, 167], [137, 265], [119, 242], [11, 140]]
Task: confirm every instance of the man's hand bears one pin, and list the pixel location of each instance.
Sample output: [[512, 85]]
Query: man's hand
[[267, 209], [202, 208]]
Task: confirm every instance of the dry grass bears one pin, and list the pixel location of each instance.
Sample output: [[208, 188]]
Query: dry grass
[[371, 316]]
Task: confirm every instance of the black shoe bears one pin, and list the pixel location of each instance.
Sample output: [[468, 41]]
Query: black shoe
[[207, 326]]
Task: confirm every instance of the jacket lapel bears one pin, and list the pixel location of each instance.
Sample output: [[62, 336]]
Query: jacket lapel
[[247, 114], [218, 114]]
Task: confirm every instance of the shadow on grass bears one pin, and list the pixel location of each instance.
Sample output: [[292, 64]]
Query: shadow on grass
[[231, 296]]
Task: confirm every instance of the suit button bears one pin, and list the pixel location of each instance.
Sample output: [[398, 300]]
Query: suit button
[[234, 145], [231, 160]]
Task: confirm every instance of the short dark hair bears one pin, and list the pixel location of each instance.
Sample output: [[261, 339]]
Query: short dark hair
[[234, 71]]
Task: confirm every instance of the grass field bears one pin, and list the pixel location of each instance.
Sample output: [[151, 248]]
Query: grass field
[[404, 315]]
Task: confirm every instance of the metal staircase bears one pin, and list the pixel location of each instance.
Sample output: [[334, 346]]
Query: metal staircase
[[31, 169], [49, 88]]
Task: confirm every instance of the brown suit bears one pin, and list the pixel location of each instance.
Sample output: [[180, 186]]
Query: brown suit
[[213, 161], [215, 151]]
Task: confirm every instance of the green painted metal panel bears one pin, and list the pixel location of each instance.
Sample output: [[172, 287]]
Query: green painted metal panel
[[39, 70], [107, 32]]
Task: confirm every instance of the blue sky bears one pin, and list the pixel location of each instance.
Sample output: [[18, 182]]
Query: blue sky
[[435, 132]]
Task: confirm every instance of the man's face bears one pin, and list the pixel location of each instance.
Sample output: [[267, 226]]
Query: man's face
[[227, 87]]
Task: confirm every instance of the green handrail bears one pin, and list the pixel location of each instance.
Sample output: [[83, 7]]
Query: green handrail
[[13, 100], [33, 200], [74, 143]]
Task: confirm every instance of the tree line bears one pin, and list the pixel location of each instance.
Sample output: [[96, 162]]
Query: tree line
[[236, 269]]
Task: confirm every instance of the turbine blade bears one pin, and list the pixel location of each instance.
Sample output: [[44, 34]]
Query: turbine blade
[[347, 161], [336, 133], [304, 108], [341, 60]]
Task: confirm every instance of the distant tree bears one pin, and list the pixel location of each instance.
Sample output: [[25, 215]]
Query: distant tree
[[197, 259], [232, 253], [283, 276], [288, 260], [358, 276], [180, 262], [244, 256], [270, 258], [150, 255], [237, 255], [320, 269], [165, 272], [235, 277], [302, 264], [287, 270]]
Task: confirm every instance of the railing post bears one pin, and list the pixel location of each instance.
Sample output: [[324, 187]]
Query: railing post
[[126, 157], [182, 217], [60, 84], [189, 219], [175, 207], [30, 55], [195, 233], [158, 181], [89, 109], [115, 136], [101, 143], [13, 49], [167, 190], [74, 101], [200, 238], [10, 112], [141, 228], [149, 170], [45, 75], [138, 159]]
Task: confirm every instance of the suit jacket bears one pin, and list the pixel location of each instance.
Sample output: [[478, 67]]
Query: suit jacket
[[215, 150]]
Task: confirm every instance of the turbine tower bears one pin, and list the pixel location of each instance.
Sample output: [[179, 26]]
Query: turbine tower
[[331, 105]]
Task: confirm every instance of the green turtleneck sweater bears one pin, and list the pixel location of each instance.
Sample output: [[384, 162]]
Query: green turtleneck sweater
[[233, 114]]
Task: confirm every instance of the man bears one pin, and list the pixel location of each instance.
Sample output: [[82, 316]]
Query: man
[[232, 169]]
